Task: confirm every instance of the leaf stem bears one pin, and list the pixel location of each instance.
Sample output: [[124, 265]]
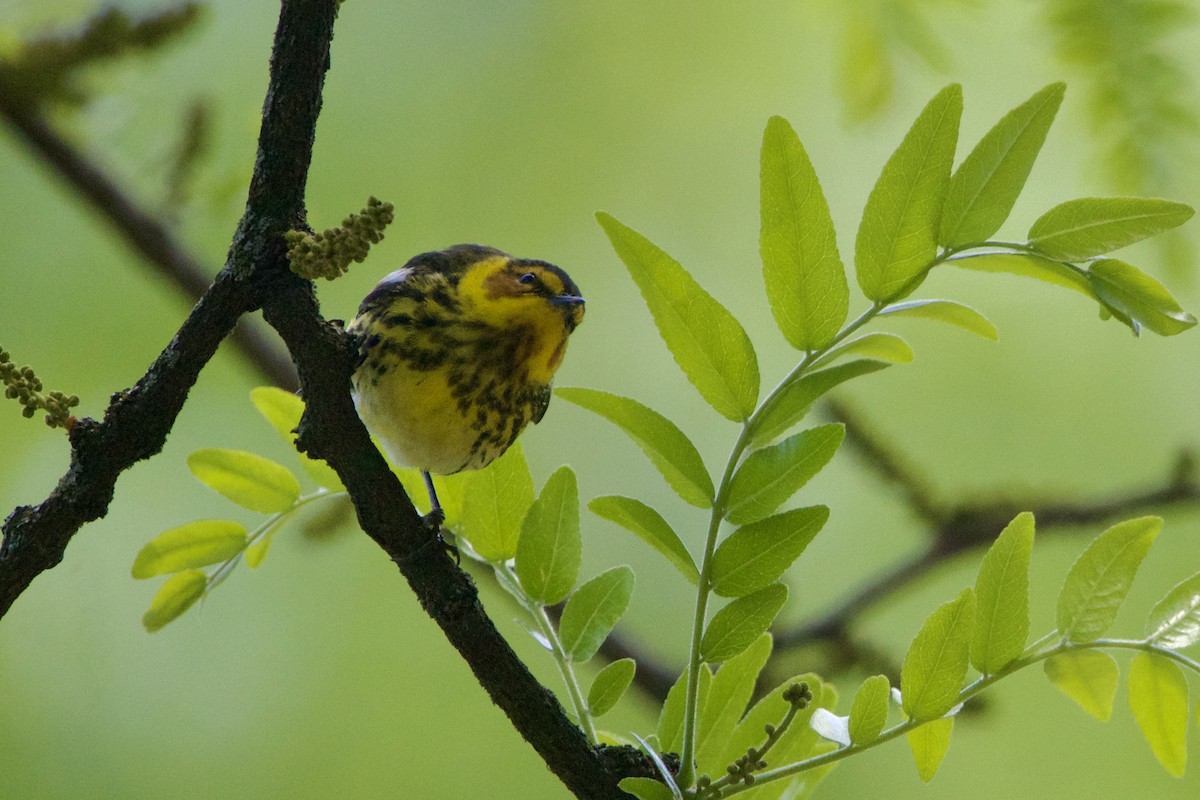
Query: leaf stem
[[687, 768], [538, 612], [1033, 656], [269, 524]]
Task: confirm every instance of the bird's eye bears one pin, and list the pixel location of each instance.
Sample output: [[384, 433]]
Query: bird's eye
[[527, 278]]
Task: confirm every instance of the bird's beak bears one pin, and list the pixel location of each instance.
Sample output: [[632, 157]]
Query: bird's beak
[[572, 307]]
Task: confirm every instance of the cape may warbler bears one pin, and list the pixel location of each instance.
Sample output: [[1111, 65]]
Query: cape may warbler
[[456, 353]]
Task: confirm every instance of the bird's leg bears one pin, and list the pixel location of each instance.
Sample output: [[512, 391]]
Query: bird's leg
[[436, 516]]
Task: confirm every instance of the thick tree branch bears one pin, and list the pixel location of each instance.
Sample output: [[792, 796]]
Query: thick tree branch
[[256, 275]]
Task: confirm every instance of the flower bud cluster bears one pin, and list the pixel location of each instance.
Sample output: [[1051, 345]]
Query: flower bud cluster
[[328, 254], [24, 386]]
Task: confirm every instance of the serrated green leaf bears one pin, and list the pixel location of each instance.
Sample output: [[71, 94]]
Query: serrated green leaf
[[936, 665], [732, 688], [897, 239], [283, 410], [1002, 598], [649, 526], [1101, 576], [1134, 295], [708, 342], [868, 714], [197, 544], [929, 744], [670, 450], [739, 624], [805, 279], [645, 788], [670, 719], [1092, 226], [609, 686], [886, 347], [1029, 266], [757, 555], [592, 611], [769, 477], [792, 402], [1089, 677], [248, 479], [173, 598], [1158, 697], [948, 311], [1174, 622], [550, 548], [986, 185], [495, 500]]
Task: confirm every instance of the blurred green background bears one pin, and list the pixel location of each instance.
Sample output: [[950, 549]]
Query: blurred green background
[[511, 124]]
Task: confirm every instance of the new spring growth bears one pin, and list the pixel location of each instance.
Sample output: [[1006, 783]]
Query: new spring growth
[[797, 696], [22, 385], [328, 254]]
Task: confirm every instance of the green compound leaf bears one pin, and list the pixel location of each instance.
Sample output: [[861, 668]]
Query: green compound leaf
[[869, 712], [592, 611], [1002, 598], [732, 688], [739, 624], [670, 450], [1174, 622], [933, 671], [1101, 576], [670, 719], [550, 548], [1029, 266], [495, 500], [1092, 226], [248, 479], [929, 744], [197, 544], [886, 347], [646, 788], [283, 410], [986, 185], [1158, 697], [1089, 677], [770, 476], [948, 311], [1137, 299], [649, 526], [173, 598], [757, 555], [790, 404], [897, 238], [609, 686], [708, 343], [806, 282]]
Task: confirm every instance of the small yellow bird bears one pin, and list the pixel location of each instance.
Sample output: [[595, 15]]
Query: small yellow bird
[[456, 353]]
